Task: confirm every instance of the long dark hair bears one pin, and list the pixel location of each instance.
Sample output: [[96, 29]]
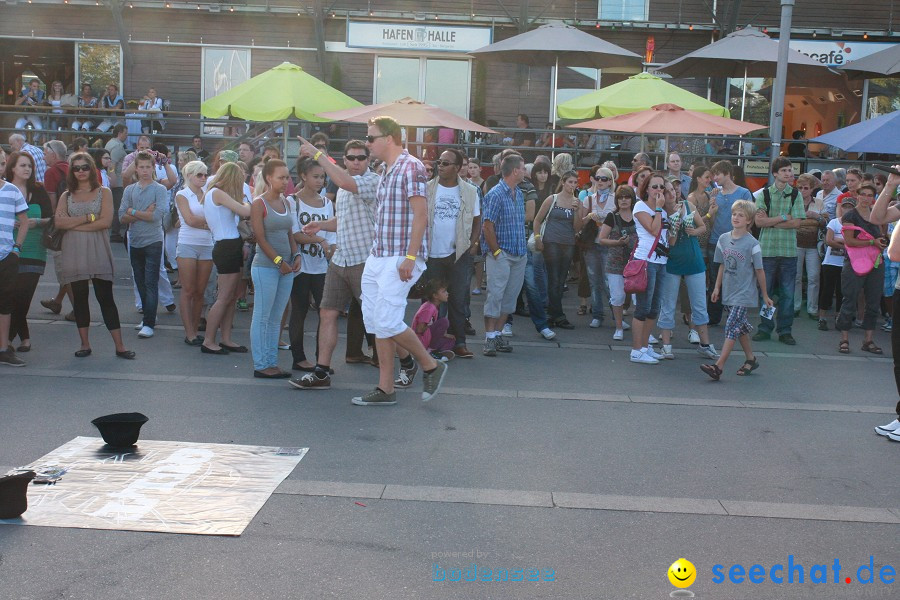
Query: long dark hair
[[537, 168], [72, 182], [698, 172], [31, 184]]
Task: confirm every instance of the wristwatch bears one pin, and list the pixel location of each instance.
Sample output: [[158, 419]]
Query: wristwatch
[[17, 249]]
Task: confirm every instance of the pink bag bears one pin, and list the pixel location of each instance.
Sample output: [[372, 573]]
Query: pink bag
[[635, 271], [862, 259]]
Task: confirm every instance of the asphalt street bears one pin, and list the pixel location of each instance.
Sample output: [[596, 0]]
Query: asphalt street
[[562, 459]]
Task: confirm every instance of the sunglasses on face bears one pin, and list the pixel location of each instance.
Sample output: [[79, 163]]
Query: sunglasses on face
[[371, 138], [804, 187], [599, 178], [81, 168], [203, 175], [445, 163], [359, 157], [322, 147], [657, 187]]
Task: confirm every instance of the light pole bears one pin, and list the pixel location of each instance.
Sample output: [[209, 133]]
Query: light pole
[[777, 115]]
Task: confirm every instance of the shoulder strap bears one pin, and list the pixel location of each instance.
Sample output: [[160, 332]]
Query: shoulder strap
[[767, 199], [794, 194]]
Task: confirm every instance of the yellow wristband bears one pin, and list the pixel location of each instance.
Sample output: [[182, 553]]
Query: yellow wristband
[[537, 235], [707, 216], [93, 217], [317, 155], [410, 257], [497, 252], [277, 260]]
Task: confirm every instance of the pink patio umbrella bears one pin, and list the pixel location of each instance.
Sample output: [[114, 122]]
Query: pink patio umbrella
[[407, 112]]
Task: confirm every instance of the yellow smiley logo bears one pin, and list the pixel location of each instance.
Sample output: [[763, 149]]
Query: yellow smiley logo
[[682, 573]]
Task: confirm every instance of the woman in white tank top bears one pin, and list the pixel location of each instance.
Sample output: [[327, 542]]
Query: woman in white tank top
[[194, 250], [222, 212]]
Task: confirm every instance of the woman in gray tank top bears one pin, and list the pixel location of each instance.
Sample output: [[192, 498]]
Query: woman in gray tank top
[[273, 269], [560, 218]]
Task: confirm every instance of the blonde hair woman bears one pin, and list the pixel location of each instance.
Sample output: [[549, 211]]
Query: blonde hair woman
[[222, 208], [194, 250]]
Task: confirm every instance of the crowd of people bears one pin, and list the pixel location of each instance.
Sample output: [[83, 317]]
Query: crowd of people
[[360, 236]]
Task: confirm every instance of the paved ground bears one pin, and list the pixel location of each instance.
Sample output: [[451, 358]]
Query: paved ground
[[562, 455]]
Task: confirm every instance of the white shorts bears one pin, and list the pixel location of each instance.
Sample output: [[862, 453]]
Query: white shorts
[[384, 295]]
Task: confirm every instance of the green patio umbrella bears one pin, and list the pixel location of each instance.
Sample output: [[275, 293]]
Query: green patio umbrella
[[638, 92], [277, 95]]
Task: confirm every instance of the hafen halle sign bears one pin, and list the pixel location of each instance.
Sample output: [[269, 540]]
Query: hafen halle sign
[[412, 36], [835, 53]]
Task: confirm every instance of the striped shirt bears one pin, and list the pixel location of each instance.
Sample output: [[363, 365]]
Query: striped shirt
[[505, 209], [40, 166], [355, 221], [12, 202], [393, 213]]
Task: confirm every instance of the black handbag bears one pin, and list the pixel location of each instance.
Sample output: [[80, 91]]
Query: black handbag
[[584, 239], [52, 236]]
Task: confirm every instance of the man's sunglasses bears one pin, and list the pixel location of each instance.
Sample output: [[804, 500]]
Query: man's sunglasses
[[601, 178], [82, 168], [371, 138], [359, 157], [445, 163]]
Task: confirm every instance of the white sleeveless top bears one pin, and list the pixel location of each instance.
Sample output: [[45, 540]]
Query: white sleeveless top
[[313, 259], [186, 233], [222, 222]]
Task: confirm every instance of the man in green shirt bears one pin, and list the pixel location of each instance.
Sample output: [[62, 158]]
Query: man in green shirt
[[779, 214]]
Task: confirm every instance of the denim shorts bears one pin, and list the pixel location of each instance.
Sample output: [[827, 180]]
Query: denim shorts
[[193, 251]]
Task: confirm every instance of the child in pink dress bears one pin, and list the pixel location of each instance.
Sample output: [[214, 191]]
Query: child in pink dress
[[431, 329]]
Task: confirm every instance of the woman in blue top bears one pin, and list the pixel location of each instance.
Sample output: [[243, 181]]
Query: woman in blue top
[[686, 225]]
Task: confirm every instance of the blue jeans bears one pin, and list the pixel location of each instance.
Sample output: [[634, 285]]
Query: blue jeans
[[558, 258], [535, 289], [781, 275], [595, 263], [648, 301], [696, 288], [145, 265], [272, 291]]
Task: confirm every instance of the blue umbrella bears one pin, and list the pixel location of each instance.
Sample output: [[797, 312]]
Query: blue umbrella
[[881, 135]]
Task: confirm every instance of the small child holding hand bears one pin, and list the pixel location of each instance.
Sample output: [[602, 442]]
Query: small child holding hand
[[432, 331], [740, 272]]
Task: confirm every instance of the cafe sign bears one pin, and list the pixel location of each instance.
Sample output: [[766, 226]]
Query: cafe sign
[[414, 36], [837, 53]]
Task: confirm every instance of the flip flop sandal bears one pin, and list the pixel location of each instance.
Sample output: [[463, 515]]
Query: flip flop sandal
[[844, 347], [871, 347], [748, 367], [712, 370]]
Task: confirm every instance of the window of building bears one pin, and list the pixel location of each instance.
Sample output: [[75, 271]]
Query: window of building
[[98, 65], [442, 82], [623, 10], [223, 68]]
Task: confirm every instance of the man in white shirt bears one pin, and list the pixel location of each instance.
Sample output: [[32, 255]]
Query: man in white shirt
[[454, 226], [827, 196]]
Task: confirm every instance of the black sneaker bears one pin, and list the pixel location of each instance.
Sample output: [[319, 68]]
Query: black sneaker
[[8, 357], [503, 344], [761, 336], [406, 376], [376, 398], [469, 329], [431, 382], [788, 339], [823, 325]]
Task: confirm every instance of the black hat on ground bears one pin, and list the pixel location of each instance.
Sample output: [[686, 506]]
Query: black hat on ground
[[120, 430], [13, 494]]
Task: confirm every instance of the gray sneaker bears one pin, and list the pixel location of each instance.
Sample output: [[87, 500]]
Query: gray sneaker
[[431, 382], [406, 376], [503, 344], [375, 398], [490, 347], [311, 381], [9, 358]]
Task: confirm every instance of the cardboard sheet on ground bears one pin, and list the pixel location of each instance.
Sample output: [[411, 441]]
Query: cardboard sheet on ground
[[172, 487]]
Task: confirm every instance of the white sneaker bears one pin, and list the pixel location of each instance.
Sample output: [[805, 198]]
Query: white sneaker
[[707, 352], [667, 352], [625, 326], [651, 339], [476, 292], [694, 337], [507, 330], [894, 436], [145, 332], [642, 358], [548, 333], [653, 353], [139, 326], [888, 429], [595, 323], [618, 335]]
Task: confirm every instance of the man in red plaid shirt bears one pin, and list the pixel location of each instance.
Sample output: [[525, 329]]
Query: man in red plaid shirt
[[396, 263]]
